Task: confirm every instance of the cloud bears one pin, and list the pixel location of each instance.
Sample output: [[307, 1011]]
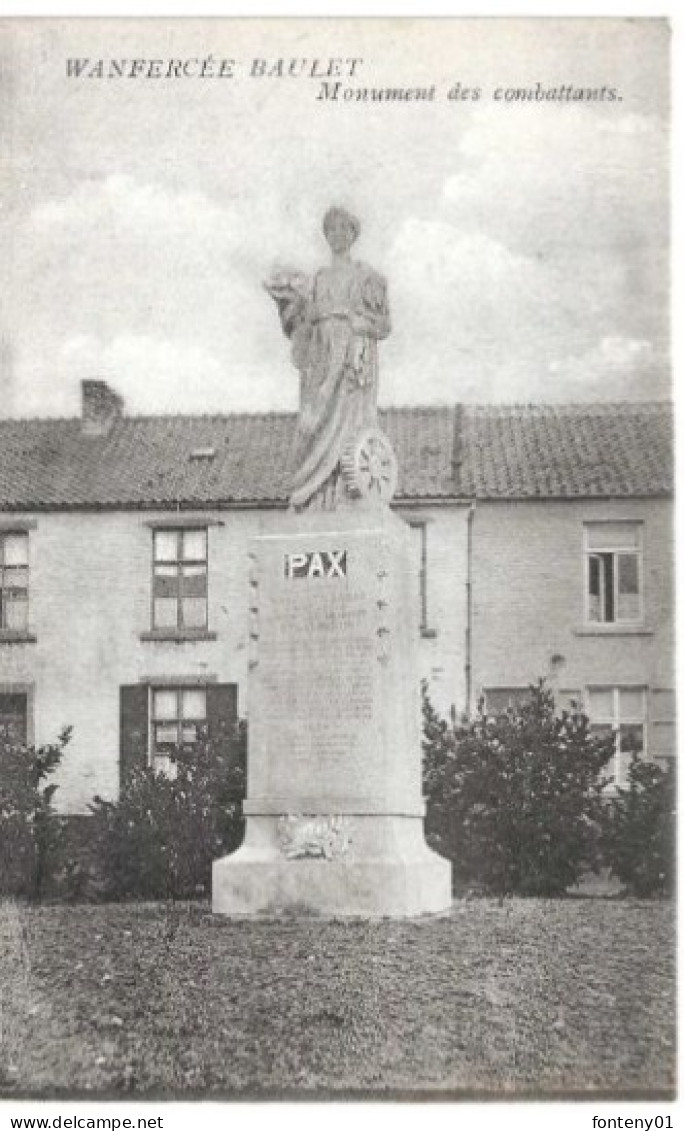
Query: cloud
[[621, 367], [585, 194], [466, 275], [153, 374], [155, 289], [476, 318], [547, 240], [570, 177], [152, 222], [149, 372], [514, 237], [148, 211], [540, 233]]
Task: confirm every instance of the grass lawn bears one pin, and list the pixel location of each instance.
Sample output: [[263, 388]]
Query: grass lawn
[[513, 998]]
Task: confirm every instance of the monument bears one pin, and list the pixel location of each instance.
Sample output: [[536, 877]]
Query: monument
[[334, 812]]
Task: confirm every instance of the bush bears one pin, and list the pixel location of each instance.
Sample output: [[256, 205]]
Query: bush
[[515, 800], [158, 841], [30, 830], [639, 831]]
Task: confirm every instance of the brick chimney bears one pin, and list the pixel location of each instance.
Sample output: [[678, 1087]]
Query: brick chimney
[[101, 407]]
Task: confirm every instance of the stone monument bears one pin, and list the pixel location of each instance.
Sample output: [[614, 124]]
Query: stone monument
[[334, 813]]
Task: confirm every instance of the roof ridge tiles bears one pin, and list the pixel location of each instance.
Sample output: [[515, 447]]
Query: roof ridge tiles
[[595, 408], [128, 418], [598, 408]]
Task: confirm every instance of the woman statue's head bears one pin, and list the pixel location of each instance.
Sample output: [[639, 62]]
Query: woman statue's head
[[340, 228]]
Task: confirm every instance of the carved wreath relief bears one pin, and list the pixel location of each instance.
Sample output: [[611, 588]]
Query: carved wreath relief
[[317, 838]]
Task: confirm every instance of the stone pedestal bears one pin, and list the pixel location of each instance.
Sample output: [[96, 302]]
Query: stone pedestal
[[334, 808]]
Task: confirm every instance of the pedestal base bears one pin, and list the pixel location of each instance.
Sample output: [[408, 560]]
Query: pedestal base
[[334, 809], [376, 867]]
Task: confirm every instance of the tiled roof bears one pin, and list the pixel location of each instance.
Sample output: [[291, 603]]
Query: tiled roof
[[546, 451], [455, 452]]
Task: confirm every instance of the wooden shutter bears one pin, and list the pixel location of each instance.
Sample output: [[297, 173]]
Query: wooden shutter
[[14, 718], [133, 729], [222, 724], [222, 713], [14, 764]]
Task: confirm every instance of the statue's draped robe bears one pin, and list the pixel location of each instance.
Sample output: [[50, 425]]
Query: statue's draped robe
[[338, 365]]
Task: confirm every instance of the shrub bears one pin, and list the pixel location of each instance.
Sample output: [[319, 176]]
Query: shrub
[[639, 831], [158, 841], [515, 800], [30, 830]]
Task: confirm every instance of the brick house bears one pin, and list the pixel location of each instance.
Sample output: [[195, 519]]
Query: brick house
[[543, 546]]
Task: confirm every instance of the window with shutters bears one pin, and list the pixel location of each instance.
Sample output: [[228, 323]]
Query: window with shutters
[[613, 573], [178, 716], [620, 711], [160, 715], [180, 582], [14, 583]]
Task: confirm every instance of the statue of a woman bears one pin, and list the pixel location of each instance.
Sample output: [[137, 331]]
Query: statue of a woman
[[334, 323]]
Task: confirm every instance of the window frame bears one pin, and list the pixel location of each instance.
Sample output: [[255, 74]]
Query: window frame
[[618, 767], [8, 631], [519, 693], [177, 689], [421, 526], [617, 623], [179, 532]]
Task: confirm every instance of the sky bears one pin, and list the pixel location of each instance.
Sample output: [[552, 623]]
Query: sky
[[525, 244]]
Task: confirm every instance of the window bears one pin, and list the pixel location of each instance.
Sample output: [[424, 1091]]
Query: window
[[622, 712], [419, 550], [614, 572], [159, 714], [178, 716], [14, 582], [180, 580], [498, 700]]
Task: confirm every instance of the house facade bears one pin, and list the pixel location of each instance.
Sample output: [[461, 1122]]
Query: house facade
[[543, 542]]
